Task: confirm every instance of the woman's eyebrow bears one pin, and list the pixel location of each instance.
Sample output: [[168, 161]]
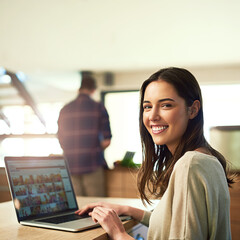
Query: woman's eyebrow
[[160, 100]]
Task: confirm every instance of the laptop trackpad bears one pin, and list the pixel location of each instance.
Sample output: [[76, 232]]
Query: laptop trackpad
[[64, 218]]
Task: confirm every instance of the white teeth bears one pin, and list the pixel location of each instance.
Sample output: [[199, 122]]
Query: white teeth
[[159, 128]]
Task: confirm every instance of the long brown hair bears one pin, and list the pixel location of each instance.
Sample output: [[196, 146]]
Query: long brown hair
[[158, 162]]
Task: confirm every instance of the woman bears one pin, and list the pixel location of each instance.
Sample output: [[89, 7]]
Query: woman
[[179, 167]]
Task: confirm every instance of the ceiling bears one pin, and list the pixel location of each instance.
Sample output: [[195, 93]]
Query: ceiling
[[51, 41], [106, 35]]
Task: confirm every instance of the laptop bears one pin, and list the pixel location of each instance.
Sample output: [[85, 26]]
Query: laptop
[[43, 194]]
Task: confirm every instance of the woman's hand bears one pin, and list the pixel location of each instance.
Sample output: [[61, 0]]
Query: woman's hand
[[135, 213], [106, 214], [119, 209], [110, 222]]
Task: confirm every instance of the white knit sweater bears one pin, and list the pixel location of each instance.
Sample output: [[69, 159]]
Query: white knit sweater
[[196, 204]]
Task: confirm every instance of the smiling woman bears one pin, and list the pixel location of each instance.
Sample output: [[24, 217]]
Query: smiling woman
[[179, 167]]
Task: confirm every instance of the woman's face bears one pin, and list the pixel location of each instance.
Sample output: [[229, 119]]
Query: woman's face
[[165, 114]]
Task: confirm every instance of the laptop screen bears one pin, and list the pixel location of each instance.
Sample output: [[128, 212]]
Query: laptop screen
[[40, 186]]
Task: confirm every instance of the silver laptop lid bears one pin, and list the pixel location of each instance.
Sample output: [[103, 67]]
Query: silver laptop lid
[[40, 186]]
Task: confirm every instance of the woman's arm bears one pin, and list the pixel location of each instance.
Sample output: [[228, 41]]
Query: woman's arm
[[135, 213]]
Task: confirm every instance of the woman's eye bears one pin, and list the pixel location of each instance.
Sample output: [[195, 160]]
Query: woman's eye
[[166, 105], [146, 107]]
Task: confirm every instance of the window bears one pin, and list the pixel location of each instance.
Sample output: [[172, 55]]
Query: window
[[26, 135], [220, 106], [123, 110]]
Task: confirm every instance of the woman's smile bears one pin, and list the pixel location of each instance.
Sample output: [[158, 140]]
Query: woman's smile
[[156, 129]]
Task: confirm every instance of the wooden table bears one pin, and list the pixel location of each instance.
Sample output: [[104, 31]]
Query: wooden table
[[11, 229]]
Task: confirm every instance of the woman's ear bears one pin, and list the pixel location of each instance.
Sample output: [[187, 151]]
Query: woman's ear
[[194, 109]]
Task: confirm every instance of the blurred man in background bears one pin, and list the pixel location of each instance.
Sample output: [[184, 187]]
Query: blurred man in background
[[84, 132]]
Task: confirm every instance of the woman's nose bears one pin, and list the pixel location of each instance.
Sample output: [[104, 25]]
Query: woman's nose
[[154, 115]]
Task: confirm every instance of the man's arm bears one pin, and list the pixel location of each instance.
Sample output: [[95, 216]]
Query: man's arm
[[105, 143]]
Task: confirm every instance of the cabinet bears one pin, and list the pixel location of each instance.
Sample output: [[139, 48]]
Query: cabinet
[[4, 189], [235, 210], [122, 182]]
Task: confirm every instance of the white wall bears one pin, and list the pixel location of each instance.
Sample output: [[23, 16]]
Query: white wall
[[60, 35]]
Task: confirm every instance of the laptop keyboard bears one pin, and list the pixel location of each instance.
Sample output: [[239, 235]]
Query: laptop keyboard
[[64, 218]]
